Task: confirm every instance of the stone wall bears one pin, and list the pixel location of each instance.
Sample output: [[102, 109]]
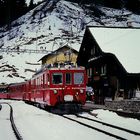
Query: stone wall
[[124, 105]]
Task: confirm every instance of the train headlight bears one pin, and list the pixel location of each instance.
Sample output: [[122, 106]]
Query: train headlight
[[81, 91], [55, 91]]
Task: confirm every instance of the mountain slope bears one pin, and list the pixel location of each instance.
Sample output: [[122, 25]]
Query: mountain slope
[[49, 26]]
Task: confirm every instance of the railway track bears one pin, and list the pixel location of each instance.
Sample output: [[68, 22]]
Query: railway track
[[110, 125], [15, 130], [117, 136], [108, 129]]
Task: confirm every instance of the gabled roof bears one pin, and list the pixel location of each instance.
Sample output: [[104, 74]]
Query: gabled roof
[[59, 50], [124, 43]]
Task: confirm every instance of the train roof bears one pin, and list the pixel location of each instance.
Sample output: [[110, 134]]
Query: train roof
[[66, 67]]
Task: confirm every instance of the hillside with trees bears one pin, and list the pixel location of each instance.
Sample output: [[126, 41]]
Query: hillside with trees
[[12, 9], [132, 5]]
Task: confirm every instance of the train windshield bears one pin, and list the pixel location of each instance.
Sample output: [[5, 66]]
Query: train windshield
[[78, 78], [57, 78]]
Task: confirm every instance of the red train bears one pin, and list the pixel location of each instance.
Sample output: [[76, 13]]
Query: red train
[[3, 95], [52, 86]]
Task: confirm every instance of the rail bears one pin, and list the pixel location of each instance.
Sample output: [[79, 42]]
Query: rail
[[16, 132], [113, 126], [97, 129]]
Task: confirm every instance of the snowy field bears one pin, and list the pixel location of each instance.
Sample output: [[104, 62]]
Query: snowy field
[[35, 124]]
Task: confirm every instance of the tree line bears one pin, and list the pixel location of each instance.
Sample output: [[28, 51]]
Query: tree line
[[132, 5], [12, 9]]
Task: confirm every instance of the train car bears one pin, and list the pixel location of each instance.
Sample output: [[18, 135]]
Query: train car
[[58, 85], [16, 91], [53, 86], [3, 95]]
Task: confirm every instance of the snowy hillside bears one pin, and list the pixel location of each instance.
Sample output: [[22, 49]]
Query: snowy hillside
[[34, 1], [50, 25]]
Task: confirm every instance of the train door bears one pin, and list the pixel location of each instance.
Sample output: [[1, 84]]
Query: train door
[[46, 93], [68, 92], [43, 87]]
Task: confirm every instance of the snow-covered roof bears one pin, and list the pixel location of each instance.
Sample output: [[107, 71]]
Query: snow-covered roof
[[123, 42]]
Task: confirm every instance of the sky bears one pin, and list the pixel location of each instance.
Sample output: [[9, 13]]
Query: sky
[[34, 124]]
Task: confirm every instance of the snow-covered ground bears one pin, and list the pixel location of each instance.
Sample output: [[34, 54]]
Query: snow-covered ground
[[49, 26], [35, 124]]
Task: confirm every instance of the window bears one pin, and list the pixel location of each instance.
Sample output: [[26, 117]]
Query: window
[[78, 78], [89, 72], [103, 69], [68, 78], [93, 51], [57, 78], [38, 82]]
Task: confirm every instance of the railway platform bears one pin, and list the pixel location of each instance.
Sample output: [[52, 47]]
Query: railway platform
[[125, 113]]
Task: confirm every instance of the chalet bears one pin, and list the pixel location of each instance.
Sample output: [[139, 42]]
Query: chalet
[[111, 57], [62, 55]]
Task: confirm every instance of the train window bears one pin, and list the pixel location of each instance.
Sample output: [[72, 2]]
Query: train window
[[57, 78], [68, 78], [48, 80], [78, 78]]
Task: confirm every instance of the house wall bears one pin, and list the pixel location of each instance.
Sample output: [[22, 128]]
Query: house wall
[[60, 58]]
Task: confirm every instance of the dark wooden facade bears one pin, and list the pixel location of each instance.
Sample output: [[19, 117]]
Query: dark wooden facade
[[106, 74]]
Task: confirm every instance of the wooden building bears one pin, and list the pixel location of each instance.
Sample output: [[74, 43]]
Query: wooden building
[[62, 55], [111, 58]]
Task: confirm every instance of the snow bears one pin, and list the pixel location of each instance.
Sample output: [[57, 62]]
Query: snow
[[31, 31], [6, 132], [16, 59], [34, 123], [124, 43], [50, 27], [35, 1], [113, 118]]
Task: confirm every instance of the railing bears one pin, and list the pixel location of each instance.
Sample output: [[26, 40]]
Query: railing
[[24, 51]]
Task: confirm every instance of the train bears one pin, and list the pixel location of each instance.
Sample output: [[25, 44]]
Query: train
[[51, 87]]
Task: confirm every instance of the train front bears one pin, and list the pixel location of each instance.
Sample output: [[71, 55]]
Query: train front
[[68, 86]]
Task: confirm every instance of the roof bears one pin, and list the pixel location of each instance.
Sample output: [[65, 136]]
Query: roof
[[124, 43], [59, 49]]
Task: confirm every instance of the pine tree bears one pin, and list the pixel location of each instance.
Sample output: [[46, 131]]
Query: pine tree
[[11, 10], [31, 4]]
